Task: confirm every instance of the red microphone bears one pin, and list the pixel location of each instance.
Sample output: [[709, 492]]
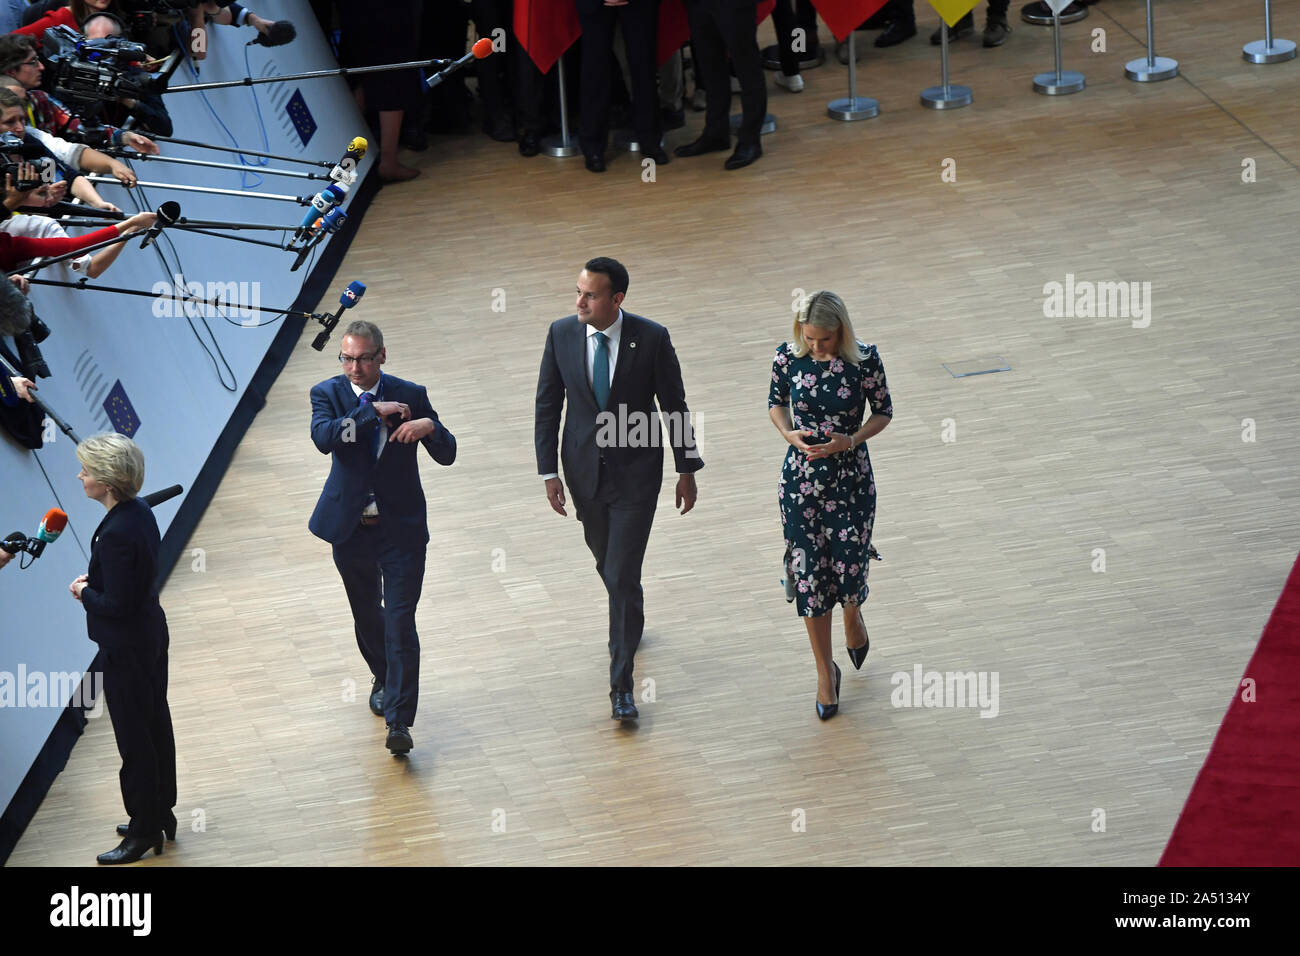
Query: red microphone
[[482, 48]]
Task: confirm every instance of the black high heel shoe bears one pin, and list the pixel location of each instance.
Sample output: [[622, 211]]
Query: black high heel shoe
[[859, 654], [132, 848], [827, 711]]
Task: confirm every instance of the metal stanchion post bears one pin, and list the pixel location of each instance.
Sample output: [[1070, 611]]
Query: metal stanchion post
[[1152, 67], [1062, 81], [561, 146], [947, 96], [854, 107], [1269, 49]]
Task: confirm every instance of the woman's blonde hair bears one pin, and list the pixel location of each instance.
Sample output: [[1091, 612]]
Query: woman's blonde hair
[[114, 460], [826, 310]]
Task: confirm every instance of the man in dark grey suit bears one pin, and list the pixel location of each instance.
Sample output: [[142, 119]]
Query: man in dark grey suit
[[611, 365]]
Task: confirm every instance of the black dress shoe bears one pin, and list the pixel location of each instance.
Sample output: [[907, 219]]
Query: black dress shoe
[[624, 708], [827, 711], [399, 739], [701, 146], [131, 849], [859, 654], [377, 698], [169, 829], [897, 32], [529, 144], [658, 154], [596, 164], [745, 154]]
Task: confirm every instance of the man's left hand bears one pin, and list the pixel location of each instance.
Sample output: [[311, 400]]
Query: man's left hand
[[415, 430], [77, 586], [686, 492], [140, 143]]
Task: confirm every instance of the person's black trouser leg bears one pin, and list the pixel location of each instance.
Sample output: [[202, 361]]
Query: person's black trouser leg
[[357, 560], [737, 26]]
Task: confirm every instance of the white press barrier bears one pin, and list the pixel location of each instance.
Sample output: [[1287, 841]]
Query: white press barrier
[[176, 380]]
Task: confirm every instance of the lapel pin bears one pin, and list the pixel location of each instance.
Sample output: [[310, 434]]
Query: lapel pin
[[631, 345]]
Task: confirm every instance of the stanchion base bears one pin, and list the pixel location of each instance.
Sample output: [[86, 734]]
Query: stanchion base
[[554, 145], [937, 98], [1261, 52], [859, 108], [769, 123], [1038, 20], [1140, 71], [1048, 85]]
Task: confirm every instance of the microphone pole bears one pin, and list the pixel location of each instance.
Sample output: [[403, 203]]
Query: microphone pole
[[238, 152], [260, 170], [50, 413], [315, 75], [482, 48], [84, 286], [243, 193]]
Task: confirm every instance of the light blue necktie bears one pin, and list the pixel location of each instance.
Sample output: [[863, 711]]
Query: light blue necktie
[[600, 371]]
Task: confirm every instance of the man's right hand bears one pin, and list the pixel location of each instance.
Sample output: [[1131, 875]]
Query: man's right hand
[[5, 557], [555, 495], [385, 409]]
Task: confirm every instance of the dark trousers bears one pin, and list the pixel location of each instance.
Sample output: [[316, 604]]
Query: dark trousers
[[787, 16], [135, 689], [372, 568], [640, 22], [616, 532], [719, 28]]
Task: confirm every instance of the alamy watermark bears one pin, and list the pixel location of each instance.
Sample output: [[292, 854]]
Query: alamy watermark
[[923, 688], [177, 299], [637, 429], [1098, 300], [52, 689]]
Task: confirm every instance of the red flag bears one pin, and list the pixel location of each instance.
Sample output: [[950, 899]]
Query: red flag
[[843, 16], [674, 30], [546, 28]]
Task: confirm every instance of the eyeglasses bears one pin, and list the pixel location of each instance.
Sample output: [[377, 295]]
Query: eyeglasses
[[367, 357], [32, 62]]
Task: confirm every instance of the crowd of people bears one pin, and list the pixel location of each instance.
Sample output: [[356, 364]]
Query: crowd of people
[[616, 76]]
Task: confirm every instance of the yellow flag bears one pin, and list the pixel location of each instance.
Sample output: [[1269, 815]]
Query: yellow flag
[[953, 10]]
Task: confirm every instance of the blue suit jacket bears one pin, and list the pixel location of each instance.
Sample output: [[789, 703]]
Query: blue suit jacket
[[343, 427]]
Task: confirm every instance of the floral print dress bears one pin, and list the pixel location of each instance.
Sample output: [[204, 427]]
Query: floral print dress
[[828, 505]]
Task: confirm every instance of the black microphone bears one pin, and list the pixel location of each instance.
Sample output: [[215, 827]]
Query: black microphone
[[482, 48], [350, 297], [154, 499], [168, 213], [281, 32]]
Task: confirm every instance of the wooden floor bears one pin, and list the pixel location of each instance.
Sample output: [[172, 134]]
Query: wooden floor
[[1102, 436]]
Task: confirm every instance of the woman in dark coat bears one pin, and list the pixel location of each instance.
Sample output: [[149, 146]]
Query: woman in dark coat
[[123, 616]]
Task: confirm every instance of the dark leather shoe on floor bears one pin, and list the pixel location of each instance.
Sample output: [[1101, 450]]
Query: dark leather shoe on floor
[[530, 144], [996, 32], [965, 28], [701, 146], [131, 849], [744, 155], [624, 707], [897, 32], [658, 154], [596, 164], [399, 739], [377, 698]]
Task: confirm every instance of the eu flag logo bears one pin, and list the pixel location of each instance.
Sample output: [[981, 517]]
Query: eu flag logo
[[120, 411], [300, 116]]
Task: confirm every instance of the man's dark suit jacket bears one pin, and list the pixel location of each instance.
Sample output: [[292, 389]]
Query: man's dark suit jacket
[[646, 369], [123, 615], [394, 478]]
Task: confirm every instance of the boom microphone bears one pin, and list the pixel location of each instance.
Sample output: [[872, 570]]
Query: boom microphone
[[168, 213], [345, 171], [154, 499], [281, 32], [481, 49], [331, 195], [350, 297]]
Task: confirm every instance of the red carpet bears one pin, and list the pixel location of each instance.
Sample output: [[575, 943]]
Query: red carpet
[[1244, 809]]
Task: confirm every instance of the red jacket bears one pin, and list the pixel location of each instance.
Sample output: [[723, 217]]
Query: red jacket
[[16, 249]]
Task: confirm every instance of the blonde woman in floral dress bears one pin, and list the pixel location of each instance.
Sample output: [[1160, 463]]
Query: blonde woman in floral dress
[[828, 396]]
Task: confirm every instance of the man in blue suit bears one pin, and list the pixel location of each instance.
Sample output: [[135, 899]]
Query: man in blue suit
[[372, 511]]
